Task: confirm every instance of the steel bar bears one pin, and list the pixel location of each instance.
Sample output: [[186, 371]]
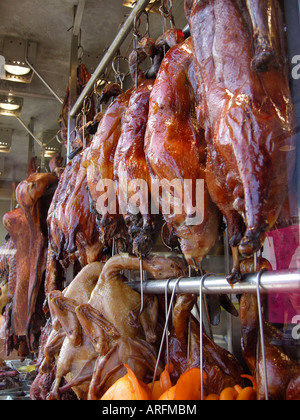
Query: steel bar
[[261, 331], [111, 52], [78, 17], [30, 133], [40, 77], [277, 282]]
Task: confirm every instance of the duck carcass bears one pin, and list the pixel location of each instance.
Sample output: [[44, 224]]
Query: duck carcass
[[175, 153], [247, 116]]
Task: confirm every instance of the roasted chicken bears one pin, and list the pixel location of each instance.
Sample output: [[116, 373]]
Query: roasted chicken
[[248, 120], [120, 332], [75, 354]]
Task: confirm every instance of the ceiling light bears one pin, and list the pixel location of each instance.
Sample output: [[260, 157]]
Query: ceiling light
[[17, 70], [10, 105], [51, 146], [5, 140], [15, 54]]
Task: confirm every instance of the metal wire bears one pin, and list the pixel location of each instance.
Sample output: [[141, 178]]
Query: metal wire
[[261, 331], [201, 332], [165, 330]]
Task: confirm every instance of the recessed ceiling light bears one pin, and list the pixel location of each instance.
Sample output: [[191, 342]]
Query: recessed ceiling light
[[16, 51], [5, 140], [10, 105], [17, 70]]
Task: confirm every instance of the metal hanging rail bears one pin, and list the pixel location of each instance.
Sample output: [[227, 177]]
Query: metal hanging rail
[[275, 282], [40, 77], [111, 52]]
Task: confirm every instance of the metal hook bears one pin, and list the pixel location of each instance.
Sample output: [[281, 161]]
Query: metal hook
[[87, 105], [99, 85], [113, 250], [166, 314], [59, 140], [165, 329], [117, 71], [201, 331], [261, 330]]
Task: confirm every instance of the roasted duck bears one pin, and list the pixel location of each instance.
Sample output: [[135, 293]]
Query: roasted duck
[[73, 235], [100, 170], [34, 196], [132, 175], [222, 369], [261, 13], [83, 236], [283, 372], [247, 116], [8, 277], [175, 153], [16, 224], [57, 222]]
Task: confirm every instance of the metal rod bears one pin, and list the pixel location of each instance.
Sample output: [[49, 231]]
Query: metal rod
[[78, 17], [261, 331], [111, 52], [30, 133], [277, 282], [165, 330], [201, 332], [141, 284], [40, 77]]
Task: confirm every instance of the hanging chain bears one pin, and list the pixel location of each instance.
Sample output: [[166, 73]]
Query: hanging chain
[[119, 76]]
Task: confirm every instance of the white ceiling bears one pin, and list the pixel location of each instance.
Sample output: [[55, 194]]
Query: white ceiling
[[48, 22]]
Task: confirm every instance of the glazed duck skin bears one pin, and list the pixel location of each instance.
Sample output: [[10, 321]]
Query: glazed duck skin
[[129, 166], [248, 118], [175, 150], [101, 163], [16, 224], [29, 194], [264, 38]]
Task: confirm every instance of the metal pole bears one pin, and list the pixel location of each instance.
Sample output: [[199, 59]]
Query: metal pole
[[276, 282], [261, 331], [111, 52], [29, 132], [40, 77], [78, 17]]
